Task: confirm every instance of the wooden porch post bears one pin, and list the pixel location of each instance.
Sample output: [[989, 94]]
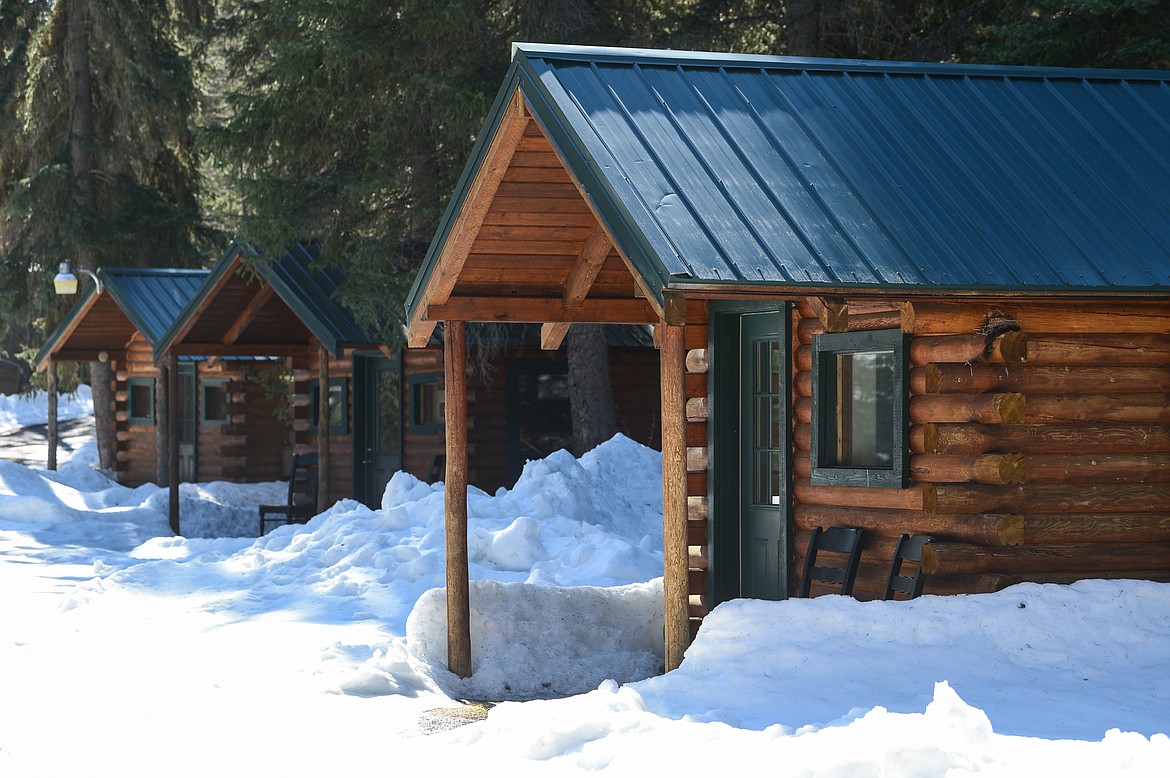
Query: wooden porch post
[[162, 402], [53, 429], [455, 500], [322, 428], [674, 494], [172, 422]]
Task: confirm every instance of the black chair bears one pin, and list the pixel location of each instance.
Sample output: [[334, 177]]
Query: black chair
[[909, 549], [302, 495], [839, 540]]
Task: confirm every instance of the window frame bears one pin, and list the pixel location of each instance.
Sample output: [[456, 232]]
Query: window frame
[[204, 385], [414, 385], [341, 426], [133, 386], [825, 350]]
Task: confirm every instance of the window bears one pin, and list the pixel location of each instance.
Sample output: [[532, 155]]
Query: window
[[860, 406], [215, 403], [140, 400], [428, 402], [338, 406]]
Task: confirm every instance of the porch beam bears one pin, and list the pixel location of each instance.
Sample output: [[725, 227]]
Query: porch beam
[[581, 277], [674, 494], [248, 315], [455, 500], [466, 227], [243, 350], [541, 309]]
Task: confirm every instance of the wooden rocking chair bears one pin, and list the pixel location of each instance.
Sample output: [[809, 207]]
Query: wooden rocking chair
[[839, 540], [909, 549], [302, 495]]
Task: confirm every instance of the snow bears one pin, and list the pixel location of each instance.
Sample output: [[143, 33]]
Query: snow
[[125, 650]]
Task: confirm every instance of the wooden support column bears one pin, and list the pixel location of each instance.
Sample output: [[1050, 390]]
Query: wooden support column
[[455, 500], [54, 432], [162, 412], [173, 438], [674, 493], [322, 428]]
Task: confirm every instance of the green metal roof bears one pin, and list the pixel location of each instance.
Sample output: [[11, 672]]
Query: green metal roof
[[727, 169]]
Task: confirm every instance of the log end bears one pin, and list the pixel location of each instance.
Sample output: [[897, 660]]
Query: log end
[[1013, 346], [1012, 407], [1011, 529]]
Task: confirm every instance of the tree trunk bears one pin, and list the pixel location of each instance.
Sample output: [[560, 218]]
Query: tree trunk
[[803, 27], [81, 159], [590, 392]]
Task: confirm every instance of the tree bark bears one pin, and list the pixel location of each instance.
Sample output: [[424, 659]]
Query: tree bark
[[803, 27], [590, 392], [81, 159]]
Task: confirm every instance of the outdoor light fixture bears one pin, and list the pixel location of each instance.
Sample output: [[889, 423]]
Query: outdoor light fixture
[[66, 283]]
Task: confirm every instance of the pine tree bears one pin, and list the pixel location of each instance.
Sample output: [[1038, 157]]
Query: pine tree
[[95, 155]]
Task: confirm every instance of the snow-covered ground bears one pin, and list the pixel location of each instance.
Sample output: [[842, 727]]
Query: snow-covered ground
[[319, 649]]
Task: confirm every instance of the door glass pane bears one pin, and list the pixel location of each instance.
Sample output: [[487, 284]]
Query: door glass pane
[[766, 435], [865, 394]]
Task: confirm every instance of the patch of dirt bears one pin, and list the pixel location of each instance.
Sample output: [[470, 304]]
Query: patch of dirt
[[443, 719]]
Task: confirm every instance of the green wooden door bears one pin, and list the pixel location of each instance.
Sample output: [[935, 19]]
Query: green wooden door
[[750, 428], [763, 457], [188, 423], [378, 426]]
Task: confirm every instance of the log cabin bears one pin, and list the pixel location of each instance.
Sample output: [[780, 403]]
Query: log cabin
[[910, 298], [121, 319], [385, 409]]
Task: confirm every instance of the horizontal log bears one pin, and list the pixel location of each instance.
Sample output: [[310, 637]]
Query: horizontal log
[[874, 549], [1099, 349], [1135, 408], [857, 497], [1006, 408], [878, 320], [977, 583], [971, 348], [1097, 528], [1044, 438], [696, 533], [963, 558], [1033, 379], [1045, 498], [1097, 468], [539, 310], [989, 529], [928, 317], [968, 468], [990, 408]]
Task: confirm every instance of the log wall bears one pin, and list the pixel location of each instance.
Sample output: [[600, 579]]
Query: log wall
[[1039, 440], [248, 448]]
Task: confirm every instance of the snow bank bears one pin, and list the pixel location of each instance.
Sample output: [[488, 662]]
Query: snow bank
[[18, 411]]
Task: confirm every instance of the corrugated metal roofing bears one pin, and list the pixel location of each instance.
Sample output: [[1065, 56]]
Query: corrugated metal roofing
[[736, 169], [152, 298], [310, 292]]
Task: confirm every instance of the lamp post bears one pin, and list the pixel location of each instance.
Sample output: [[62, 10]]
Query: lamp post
[[64, 283]]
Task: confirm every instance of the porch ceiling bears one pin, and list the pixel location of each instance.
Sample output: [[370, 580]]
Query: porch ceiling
[[528, 246], [243, 317], [99, 324]]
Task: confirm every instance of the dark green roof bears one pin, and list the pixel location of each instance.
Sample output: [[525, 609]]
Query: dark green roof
[[727, 169]]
